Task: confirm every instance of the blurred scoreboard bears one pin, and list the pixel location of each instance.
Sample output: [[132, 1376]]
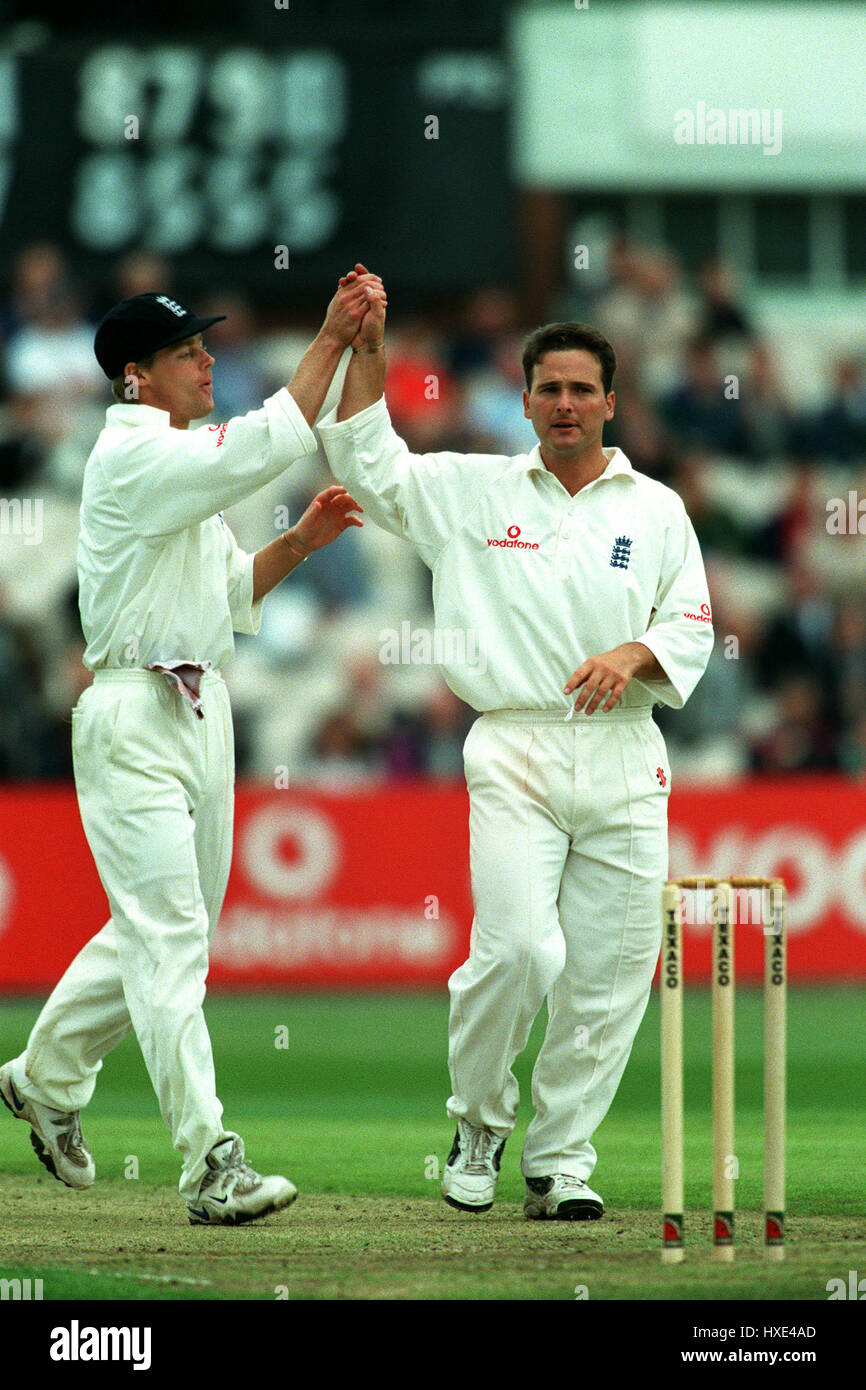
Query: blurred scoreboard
[[391, 145]]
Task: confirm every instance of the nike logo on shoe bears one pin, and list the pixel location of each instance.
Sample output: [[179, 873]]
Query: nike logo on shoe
[[203, 1213]]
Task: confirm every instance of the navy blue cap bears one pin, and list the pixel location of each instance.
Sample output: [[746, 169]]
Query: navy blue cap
[[139, 326]]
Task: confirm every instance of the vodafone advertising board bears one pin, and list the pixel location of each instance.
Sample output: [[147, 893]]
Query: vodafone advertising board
[[371, 889]]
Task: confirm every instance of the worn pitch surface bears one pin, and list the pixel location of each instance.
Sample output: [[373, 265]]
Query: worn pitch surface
[[346, 1096]]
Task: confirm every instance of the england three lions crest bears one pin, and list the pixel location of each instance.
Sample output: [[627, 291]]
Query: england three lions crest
[[621, 553]]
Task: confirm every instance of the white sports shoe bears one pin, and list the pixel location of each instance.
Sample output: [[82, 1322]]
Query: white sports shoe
[[55, 1135], [472, 1170], [232, 1193], [561, 1198]]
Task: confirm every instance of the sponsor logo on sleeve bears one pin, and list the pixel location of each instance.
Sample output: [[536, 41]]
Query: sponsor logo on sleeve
[[704, 616]]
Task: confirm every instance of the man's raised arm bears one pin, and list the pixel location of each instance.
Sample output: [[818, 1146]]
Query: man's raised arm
[[365, 375], [422, 497], [311, 382]]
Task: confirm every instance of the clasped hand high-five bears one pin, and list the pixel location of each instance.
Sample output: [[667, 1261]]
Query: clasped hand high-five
[[356, 318], [366, 301]]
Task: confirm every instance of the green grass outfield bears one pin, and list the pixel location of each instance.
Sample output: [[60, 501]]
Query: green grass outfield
[[353, 1110]]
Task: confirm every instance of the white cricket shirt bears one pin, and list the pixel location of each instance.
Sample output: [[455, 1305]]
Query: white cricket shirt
[[161, 577], [529, 581]]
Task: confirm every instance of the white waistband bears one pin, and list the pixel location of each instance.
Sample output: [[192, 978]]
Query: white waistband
[[619, 713], [137, 673]]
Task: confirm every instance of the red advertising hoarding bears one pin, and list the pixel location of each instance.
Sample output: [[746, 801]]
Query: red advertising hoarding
[[369, 889]]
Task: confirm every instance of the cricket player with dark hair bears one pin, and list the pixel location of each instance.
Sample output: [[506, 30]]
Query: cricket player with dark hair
[[582, 582], [162, 586]]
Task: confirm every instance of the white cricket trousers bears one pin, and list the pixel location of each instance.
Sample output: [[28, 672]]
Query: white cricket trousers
[[568, 852], [156, 793]]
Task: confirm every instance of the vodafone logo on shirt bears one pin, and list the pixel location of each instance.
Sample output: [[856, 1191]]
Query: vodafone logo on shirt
[[512, 541], [704, 616], [221, 432]]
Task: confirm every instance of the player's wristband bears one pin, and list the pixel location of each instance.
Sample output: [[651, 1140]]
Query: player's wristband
[[300, 554]]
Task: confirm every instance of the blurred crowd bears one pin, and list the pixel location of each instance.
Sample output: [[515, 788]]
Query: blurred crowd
[[703, 403]]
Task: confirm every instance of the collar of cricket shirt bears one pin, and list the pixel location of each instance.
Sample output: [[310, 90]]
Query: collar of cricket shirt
[[616, 463], [138, 415]]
